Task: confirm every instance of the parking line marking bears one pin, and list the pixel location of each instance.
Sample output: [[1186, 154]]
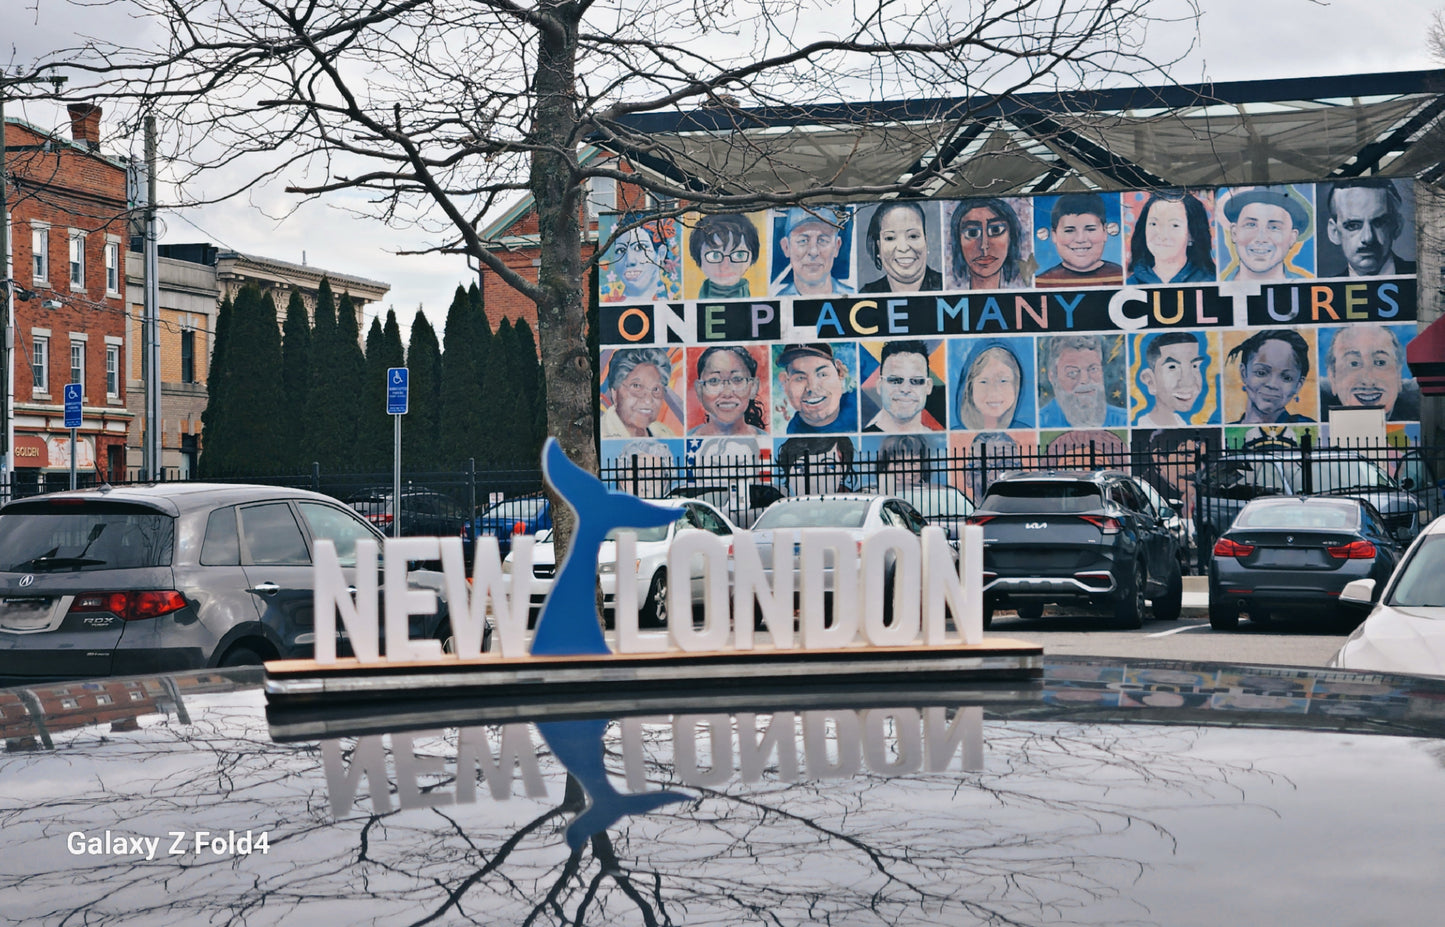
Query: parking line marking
[[1188, 627]]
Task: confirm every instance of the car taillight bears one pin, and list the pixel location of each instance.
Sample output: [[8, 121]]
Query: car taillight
[[519, 528], [1225, 547], [1355, 550], [383, 519], [1103, 523], [130, 606], [979, 519]]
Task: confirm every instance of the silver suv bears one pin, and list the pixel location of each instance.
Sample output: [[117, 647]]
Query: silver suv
[[120, 581]]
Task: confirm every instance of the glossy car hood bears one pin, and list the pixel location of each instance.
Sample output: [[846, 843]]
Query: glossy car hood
[[1397, 640], [1109, 794]]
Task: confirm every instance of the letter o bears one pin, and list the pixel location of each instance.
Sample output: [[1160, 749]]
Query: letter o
[[622, 324]]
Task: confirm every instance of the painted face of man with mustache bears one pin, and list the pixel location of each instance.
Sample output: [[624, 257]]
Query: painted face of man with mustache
[[1077, 376]]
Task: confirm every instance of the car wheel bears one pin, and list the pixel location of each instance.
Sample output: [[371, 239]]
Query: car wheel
[[1222, 615], [1168, 606], [1129, 605], [654, 610], [241, 655], [1030, 612], [987, 614]]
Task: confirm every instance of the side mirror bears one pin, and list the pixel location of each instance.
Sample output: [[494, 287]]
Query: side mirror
[[1408, 484], [1359, 593]]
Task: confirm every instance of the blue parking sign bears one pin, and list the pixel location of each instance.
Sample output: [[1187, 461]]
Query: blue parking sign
[[396, 390], [74, 394]]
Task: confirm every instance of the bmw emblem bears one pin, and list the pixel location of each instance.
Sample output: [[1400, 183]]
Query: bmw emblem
[[27, 579], [1289, 539]]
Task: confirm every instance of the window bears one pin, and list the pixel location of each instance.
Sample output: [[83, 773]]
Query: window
[[601, 196], [77, 361], [40, 362], [270, 535], [112, 370], [188, 357], [40, 251], [77, 260], [112, 267]]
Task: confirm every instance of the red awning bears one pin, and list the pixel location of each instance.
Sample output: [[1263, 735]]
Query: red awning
[[1426, 356]]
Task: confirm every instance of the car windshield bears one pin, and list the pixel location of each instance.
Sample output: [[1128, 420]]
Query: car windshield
[[1028, 496], [814, 513], [937, 501], [1341, 474], [1422, 577], [655, 533], [1325, 516], [54, 537]]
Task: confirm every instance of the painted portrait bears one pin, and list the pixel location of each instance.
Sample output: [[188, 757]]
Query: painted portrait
[[989, 243], [986, 454], [993, 383], [1085, 448], [900, 247], [727, 256], [1081, 381], [728, 386], [1170, 236], [1269, 377], [904, 385], [1266, 233], [641, 392], [816, 388], [812, 251], [643, 263], [906, 461], [1174, 379], [823, 463], [645, 467], [1366, 227], [1168, 459], [1364, 365], [1078, 242]]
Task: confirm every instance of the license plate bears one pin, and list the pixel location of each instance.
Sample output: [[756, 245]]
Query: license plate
[[27, 614]]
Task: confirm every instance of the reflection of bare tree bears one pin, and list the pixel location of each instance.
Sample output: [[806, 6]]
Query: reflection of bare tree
[[1064, 818]]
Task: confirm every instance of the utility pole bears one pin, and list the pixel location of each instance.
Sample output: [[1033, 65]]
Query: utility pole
[[7, 320], [150, 326]]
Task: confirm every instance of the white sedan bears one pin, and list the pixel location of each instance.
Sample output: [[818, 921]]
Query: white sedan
[[1405, 633], [651, 566]]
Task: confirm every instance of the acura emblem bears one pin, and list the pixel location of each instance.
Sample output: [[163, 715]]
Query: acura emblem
[[27, 579]]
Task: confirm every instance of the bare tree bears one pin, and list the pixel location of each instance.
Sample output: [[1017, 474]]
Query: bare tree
[[431, 114]]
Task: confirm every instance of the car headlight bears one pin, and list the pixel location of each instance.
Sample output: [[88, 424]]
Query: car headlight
[[507, 567], [605, 569], [1424, 518]]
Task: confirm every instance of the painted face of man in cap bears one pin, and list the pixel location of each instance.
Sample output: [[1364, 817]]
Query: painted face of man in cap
[[814, 385], [811, 246], [1263, 234]]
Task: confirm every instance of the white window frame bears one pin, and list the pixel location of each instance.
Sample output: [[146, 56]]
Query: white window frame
[[40, 361], [77, 259], [40, 253], [601, 197], [113, 348], [112, 265], [77, 354]]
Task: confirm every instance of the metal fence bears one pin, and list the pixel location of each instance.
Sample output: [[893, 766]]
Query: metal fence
[[1206, 485]]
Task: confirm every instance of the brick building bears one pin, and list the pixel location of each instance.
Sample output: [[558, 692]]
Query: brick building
[[68, 215]]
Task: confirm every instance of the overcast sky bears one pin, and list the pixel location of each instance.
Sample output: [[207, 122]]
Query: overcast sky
[[1240, 40]]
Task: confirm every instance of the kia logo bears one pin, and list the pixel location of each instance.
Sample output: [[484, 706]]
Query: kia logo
[[27, 579], [1035, 525]]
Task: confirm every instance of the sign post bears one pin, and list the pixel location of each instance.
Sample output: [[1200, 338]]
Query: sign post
[[74, 394], [397, 387]]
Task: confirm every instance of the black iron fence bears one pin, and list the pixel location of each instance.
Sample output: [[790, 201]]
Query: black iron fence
[[1204, 486]]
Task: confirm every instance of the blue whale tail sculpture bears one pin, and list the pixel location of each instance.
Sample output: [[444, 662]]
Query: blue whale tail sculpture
[[569, 624]]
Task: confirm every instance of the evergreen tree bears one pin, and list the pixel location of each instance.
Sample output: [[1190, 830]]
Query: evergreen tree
[[351, 384], [215, 443], [324, 406], [374, 436], [259, 410], [534, 390], [510, 424], [296, 381], [424, 362], [463, 361]]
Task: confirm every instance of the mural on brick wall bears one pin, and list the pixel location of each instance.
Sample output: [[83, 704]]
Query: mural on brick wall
[[1162, 320]]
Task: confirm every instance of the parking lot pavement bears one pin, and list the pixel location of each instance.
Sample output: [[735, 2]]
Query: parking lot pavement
[[1196, 596]]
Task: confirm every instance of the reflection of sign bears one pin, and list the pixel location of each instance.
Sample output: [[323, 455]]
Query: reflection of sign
[[58, 452], [396, 390]]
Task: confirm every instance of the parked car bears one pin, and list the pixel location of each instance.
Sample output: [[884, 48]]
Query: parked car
[[1292, 554], [521, 515], [1236, 477], [1115, 791], [1405, 631], [115, 581], [651, 566], [1170, 516], [859, 514], [1083, 539], [424, 512], [939, 504]]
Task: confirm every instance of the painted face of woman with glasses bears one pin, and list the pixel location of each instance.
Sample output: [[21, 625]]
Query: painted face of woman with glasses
[[637, 388], [725, 249], [727, 387]]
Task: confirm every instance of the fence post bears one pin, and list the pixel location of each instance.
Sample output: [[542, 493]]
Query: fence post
[[1201, 553], [1307, 477], [471, 489], [315, 476]]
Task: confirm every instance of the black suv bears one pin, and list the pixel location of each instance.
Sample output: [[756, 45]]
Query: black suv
[[1080, 539]]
